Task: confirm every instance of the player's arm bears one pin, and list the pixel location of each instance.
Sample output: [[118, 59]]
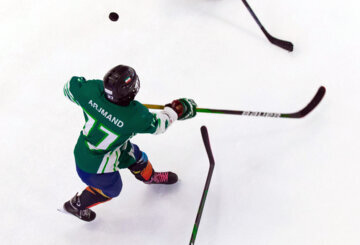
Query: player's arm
[[180, 109], [72, 89]]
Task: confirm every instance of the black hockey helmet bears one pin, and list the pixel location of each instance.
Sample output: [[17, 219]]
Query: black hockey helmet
[[121, 84]]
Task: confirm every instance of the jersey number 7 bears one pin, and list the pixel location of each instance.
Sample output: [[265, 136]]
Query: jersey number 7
[[92, 126]]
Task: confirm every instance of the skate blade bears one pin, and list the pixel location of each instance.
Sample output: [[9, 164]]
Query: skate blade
[[62, 210]]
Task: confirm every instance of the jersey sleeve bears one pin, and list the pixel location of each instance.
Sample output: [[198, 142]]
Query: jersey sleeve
[[72, 89], [158, 123]]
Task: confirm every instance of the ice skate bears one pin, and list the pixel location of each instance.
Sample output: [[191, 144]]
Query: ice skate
[[72, 207], [163, 178]]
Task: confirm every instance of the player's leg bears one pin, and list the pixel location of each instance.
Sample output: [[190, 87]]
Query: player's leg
[[101, 188], [143, 170]]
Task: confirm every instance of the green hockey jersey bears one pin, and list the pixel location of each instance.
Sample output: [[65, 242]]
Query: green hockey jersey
[[104, 143]]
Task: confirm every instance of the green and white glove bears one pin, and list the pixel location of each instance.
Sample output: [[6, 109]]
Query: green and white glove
[[185, 108]]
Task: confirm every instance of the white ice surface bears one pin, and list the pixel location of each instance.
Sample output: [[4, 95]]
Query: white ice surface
[[276, 181]]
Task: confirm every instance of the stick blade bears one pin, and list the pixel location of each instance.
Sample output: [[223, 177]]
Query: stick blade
[[282, 44], [309, 107], [206, 140], [278, 42]]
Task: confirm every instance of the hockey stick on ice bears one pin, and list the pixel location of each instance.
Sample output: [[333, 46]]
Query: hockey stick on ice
[[205, 136], [280, 43], [302, 113]]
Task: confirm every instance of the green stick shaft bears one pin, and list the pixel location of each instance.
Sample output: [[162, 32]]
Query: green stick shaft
[[299, 114], [221, 111], [206, 140]]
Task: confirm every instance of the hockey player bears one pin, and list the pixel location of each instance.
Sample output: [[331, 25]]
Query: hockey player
[[112, 118]]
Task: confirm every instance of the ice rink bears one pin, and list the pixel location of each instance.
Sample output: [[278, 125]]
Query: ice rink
[[276, 181]]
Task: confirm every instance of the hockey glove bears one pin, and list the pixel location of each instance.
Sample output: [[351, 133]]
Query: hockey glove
[[185, 108]]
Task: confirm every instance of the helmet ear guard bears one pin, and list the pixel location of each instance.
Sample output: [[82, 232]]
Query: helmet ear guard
[[121, 84]]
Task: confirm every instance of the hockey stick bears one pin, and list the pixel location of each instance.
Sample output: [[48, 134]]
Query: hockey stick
[[302, 113], [205, 136], [280, 43]]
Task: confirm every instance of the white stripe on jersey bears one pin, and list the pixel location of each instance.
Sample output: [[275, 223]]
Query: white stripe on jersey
[[68, 93], [110, 160], [164, 119]]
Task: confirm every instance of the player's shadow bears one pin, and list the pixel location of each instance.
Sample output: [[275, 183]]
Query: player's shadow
[[163, 190], [148, 213]]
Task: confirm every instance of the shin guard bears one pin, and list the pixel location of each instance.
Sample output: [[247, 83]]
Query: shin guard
[[142, 171], [91, 197]]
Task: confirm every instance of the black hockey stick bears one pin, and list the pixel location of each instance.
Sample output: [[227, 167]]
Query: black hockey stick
[[206, 140], [302, 113], [307, 109], [280, 43]]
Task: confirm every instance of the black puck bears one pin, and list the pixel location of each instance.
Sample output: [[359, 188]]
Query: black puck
[[113, 16]]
